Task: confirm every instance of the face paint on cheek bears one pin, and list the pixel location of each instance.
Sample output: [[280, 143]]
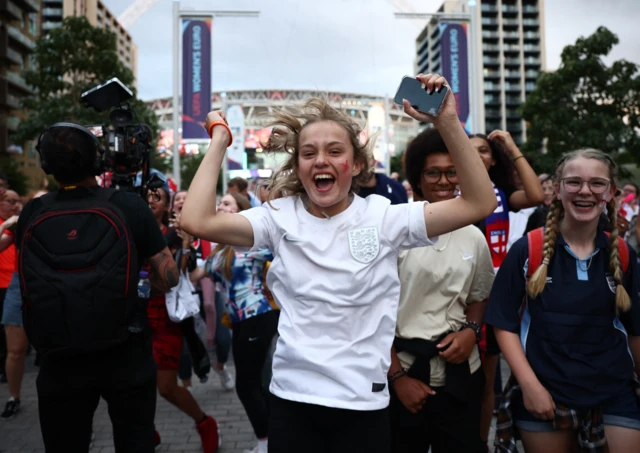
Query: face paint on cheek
[[345, 166]]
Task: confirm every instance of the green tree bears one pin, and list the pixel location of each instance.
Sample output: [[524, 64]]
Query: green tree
[[396, 165], [17, 180], [189, 165], [585, 103], [70, 60]]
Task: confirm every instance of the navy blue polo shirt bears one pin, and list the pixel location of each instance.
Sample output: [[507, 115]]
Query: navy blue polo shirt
[[573, 340]]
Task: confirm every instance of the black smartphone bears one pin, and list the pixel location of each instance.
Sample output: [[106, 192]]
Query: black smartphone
[[413, 91]]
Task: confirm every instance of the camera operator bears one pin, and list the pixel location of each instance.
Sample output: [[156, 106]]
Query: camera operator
[[75, 224]]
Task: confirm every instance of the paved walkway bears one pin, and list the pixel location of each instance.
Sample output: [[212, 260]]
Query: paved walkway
[[22, 434]]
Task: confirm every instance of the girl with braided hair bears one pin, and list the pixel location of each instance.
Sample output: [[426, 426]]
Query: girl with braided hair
[[574, 345]]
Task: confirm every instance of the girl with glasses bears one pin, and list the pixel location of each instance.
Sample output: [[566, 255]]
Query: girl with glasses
[[576, 351]]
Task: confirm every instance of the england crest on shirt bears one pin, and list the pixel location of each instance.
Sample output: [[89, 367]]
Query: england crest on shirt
[[612, 283], [364, 244]]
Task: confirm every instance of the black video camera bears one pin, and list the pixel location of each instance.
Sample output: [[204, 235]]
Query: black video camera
[[127, 144]]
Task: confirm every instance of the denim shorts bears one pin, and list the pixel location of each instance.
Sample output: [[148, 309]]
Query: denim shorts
[[623, 411], [12, 309]]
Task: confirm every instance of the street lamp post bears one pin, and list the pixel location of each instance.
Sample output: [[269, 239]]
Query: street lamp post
[[177, 15]]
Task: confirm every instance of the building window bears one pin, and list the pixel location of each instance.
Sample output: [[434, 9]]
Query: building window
[[33, 24]]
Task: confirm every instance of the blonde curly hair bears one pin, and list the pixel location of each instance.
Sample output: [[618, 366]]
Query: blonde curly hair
[[288, 124]]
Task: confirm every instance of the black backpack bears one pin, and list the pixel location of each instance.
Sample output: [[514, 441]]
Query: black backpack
[[79, 274]]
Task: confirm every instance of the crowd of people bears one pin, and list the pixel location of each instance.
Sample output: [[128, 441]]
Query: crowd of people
[[362, 314]]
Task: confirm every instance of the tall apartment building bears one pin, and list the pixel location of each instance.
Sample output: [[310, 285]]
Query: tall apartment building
[[53, 11], [19, 29], [508, 36]]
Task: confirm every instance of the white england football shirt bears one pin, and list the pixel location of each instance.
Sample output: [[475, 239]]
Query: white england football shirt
[[336, 282]]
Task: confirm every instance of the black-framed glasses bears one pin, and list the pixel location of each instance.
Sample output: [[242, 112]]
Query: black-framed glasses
[[596, 185], [153, 196], [434, 176]]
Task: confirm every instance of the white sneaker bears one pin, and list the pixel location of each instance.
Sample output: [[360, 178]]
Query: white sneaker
[[226, 380], [257, 449]]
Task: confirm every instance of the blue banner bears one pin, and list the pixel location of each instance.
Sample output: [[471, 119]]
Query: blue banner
[[196, 77], [454, 42]]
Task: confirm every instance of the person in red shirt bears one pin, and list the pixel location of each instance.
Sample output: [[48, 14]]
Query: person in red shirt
[[9, 206], [167, 343]]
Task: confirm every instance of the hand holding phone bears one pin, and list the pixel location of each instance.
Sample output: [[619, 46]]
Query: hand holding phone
[[426, 98]]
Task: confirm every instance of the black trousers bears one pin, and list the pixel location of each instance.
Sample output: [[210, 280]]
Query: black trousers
[[69, 389], [445, 424], [251, 343], [299, 427]]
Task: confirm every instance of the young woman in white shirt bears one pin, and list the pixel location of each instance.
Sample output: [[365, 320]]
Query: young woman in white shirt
[[334, 272]]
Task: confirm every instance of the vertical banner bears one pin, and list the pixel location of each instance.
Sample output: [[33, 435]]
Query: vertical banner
[[235, 153], [376, 123], [454, 42], [196, 77]]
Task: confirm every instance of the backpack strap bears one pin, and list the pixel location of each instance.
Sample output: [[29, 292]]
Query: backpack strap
[[535, 240], [623, 250], [624, 254]]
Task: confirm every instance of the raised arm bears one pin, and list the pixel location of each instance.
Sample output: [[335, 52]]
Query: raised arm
[[477, 200], [532, 195], [199, 211], [6, 239]]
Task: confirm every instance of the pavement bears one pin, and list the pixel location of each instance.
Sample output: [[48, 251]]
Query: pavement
[[178, 432], [22, 434]]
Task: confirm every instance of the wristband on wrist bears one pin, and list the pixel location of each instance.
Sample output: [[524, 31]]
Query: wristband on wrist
[[477, 328], [186, 251], [226, 126], [521, 155], [397, 375]]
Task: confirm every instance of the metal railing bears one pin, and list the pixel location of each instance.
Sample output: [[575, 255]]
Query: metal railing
[[51, 25], [19, 36], [12, 9], [13, 101], [52, 12], [17, 79], [512, 74], [14, 56]]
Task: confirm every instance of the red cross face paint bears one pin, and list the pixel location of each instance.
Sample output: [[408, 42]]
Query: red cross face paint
[[325, 157]]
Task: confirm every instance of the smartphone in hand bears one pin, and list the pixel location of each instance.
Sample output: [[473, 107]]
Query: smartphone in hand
[[420, 99]]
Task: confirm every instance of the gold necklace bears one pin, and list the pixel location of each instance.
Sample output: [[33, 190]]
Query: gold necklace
[[445, 244]]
